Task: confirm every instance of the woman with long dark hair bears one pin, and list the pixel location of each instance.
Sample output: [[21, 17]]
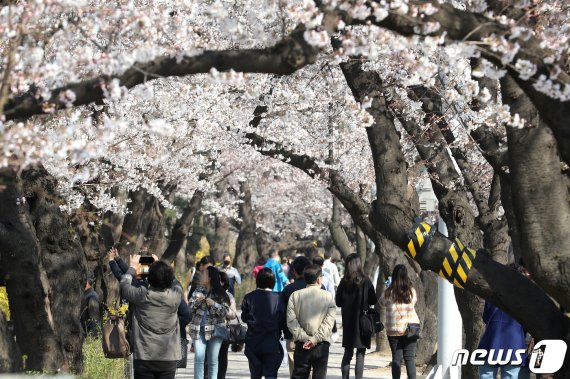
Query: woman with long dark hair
[[209, 305], [355, 293], [231, 315], [399, 300]]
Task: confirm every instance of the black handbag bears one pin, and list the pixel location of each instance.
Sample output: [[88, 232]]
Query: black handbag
[[369, 318], [182, 363], [236, 332]]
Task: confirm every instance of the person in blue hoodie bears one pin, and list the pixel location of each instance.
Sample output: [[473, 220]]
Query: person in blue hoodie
[[274, 264], [501, 332]]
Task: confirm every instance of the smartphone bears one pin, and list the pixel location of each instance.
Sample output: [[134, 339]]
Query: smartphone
[[146, 260]]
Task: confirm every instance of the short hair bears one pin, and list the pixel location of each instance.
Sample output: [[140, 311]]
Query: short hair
[[328, 254], [160, 275], [312, 273], [207, 259], [300, 263], [318, 260], [226, 255], [265, 278], [273, 253]]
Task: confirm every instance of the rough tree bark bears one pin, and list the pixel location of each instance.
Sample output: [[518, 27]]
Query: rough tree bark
[[246, 245], [10, 356], [338, 234], [27, 284], [182, 227], [62, 258]]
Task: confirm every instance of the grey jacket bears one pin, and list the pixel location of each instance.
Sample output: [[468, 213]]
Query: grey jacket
[[155, 330]]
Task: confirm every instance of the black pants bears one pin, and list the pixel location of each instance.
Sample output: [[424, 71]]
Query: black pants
[[403, 348], [154, 369], [345, 365], [223, 360], [316, 358]]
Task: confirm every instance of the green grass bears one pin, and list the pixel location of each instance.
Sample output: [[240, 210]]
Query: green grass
[[246, 287], [96, 366]]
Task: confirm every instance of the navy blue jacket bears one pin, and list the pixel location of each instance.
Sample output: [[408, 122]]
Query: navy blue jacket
[[502, 331], [263, 313]]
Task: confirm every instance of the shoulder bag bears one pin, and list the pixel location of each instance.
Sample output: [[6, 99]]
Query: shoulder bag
[[236, 332], [369, 318], [115, 343]]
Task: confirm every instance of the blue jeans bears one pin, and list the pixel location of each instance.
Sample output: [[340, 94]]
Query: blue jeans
[[507, 372], [200, 347]]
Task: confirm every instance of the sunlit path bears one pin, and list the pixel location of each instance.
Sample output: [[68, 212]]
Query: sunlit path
[[375, 365]]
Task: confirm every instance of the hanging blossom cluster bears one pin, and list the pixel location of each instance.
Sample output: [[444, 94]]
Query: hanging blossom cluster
[[180, 130]]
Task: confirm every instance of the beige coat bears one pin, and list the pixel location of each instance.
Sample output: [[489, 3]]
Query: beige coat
[[311, 314]]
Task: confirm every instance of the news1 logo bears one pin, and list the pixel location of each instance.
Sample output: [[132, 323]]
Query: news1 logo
[[547, 356]]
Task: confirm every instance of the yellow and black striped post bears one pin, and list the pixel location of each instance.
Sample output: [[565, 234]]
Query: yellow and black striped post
[[457, 263]]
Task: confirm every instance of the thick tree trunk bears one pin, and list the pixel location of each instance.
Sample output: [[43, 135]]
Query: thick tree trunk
[[182, 227], [540, 197], [219, 239], [26, 281], [136, 222], [338, 234], [62, 259], [246, 245]]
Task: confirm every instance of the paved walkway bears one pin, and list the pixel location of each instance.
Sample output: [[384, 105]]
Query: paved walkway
[[375, 364]]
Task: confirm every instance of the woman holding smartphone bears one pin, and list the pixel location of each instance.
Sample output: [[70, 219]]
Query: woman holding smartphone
[[209, 305]]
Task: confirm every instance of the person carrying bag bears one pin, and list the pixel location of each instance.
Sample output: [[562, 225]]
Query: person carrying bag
[[402, 321], [355, 295]]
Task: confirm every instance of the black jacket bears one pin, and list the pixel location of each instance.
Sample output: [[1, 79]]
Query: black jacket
[[349, 299], [264, 315]]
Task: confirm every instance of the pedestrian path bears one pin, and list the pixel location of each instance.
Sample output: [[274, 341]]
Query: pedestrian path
[[375, 365]]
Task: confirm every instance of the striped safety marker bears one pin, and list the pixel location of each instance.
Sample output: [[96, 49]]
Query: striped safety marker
[[419, 239], [457, 264]]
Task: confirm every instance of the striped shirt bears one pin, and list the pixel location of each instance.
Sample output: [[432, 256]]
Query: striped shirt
[[399, 315]]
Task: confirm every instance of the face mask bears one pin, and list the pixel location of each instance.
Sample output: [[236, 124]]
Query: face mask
[[227, 263]]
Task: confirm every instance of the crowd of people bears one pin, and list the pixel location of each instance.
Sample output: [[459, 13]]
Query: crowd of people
[[291, 312]]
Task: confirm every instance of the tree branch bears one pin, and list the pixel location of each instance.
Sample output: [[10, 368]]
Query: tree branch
[[459, 25], [286, 57]]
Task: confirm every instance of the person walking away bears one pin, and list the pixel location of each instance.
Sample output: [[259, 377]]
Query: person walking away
[[330, 268], [327, 279], [297, 267], [354, 293], [209, 305], [231, 315], [259, 264], [501, 332], [155, 328], [310, 319], [400, 300], [90, 311], [264, 314], [280, 278], [231, 272]]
